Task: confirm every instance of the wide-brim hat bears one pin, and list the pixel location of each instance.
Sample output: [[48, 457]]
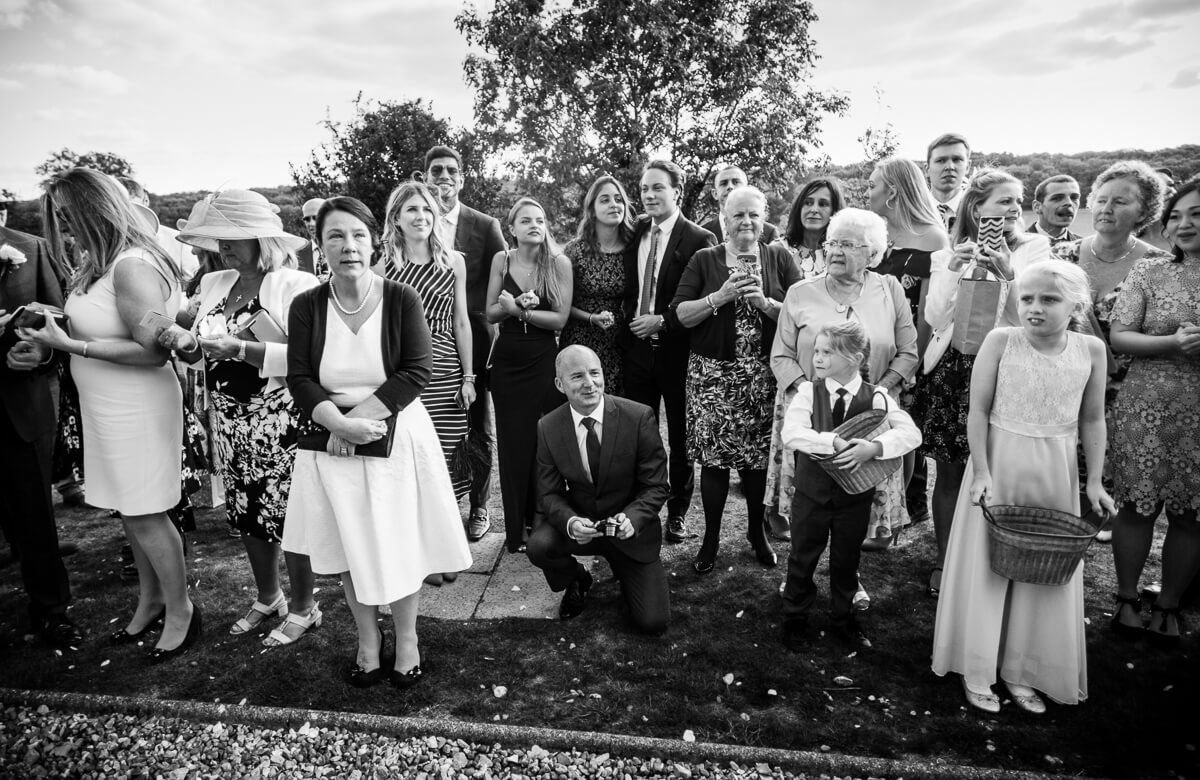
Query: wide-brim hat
[[230, 215], [147, 215]]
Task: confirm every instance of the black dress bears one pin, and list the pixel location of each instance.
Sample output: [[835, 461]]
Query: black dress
[[599, 286], [522, 380]]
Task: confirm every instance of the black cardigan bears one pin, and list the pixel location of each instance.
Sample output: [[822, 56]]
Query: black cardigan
[[715, 337], [407, 353]]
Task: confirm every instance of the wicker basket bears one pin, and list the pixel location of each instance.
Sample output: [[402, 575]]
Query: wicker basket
[[1034, 545], [867, 426]]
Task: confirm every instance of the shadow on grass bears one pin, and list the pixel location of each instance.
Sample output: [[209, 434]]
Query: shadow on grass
[[719, 671]]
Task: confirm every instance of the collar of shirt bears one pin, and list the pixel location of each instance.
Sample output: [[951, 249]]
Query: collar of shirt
[[953, 202], [451, 216], [852, 387], [1062, 235], [666, 226], [597, 415], [316, 250]]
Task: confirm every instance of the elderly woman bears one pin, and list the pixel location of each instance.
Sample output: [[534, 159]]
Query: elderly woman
[[597, 259], [244, 371], [856, 242], [131, 402], [941, 399], [729, 296], [371, 496], [1155, 417]]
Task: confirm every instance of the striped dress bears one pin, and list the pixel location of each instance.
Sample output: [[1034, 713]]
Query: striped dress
[[435, 284]]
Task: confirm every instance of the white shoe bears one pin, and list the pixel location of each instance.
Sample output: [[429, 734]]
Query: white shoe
[[1026, 698], [862, 599], [988, 702], [258, 613], [278, 638]]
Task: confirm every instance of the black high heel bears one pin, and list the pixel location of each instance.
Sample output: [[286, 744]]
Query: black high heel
[[158, 654], [361, 678], [1124, 630], [123, 637], [1159, 638]]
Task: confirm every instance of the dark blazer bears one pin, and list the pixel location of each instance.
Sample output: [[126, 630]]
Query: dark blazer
[[685, 240], [407, 353], [304, 259], [26, 394], [714, 337], [479, 237], [769, 232], [633, 474]]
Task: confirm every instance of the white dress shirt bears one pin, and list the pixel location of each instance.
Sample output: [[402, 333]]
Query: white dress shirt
[[798, 433], [581, 431], [666, 226], [450, 224]]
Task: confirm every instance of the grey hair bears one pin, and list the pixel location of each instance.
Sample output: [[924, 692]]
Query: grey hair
[[869, 224], [1149, 186], [747, 189]]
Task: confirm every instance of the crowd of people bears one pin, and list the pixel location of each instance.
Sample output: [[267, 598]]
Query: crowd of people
[[353, 383]]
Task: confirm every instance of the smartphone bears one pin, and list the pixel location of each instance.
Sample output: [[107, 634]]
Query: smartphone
[[748, 264], [991, 233], [33, 315]]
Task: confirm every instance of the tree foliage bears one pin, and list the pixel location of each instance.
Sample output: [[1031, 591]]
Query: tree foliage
[[576, 88], [66, 159], [384, 144]]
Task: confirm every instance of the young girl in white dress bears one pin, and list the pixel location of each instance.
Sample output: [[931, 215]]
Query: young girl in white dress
[[1035, 389]]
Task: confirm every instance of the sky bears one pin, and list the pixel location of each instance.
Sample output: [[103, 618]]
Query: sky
[[209, 93]]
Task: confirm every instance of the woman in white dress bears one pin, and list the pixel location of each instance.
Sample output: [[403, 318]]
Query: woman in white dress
[[131, 402], [359, 356]]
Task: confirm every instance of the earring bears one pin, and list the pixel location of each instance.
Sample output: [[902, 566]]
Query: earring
[[888, 203]]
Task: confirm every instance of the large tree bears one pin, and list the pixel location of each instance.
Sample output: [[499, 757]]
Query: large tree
[[64, 160], [382, 145], [578, 87]]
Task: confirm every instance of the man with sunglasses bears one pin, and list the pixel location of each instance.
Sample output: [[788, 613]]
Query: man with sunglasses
[[479, 237]]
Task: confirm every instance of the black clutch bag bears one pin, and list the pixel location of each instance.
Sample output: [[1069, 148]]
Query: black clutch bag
[[312, 436]]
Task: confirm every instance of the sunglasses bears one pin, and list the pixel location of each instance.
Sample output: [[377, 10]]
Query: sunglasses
[[438, 170]]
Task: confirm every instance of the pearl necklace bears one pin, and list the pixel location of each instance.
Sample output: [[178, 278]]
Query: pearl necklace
[[1095, 254], [343, 309]]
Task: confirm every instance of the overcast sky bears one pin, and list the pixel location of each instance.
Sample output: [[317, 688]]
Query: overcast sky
[[198, 94]]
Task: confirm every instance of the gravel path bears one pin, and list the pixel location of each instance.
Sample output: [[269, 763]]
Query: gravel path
[[49, 743]]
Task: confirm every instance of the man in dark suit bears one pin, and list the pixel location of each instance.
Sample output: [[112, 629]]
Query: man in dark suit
[[726, 179], [601, 481], [479, 238], [309, 258], [27, 427], [656, 345]]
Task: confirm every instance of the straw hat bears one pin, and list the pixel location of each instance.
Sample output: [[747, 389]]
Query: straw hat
[[229, 215]]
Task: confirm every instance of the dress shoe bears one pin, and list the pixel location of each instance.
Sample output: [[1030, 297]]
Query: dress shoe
[[704, 564], [123, 637], [1026, 698], [406, 680], [795, 634], [1127, 630], [988, 702], [676, 529], [361, 678], [58, 631], [766, 556], [851, 634], [67, 548], [575, 599], [1159, 631], [478, 524], [159, 655]]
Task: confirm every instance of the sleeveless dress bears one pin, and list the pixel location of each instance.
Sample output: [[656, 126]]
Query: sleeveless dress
[[435, 284], [599, 286], [132, 415], [1033, 634], [254, 433], [522, 380], [391, 521]]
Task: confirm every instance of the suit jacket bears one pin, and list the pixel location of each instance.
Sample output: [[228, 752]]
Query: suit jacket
[[685, 240], [26, 394], [304, 259], [633, 474], [769, 233], [479, 238]]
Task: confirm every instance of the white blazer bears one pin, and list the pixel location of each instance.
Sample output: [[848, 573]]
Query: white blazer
[[278, 289], [943, 291]]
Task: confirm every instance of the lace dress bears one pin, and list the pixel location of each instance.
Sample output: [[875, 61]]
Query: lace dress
[[599, 286], [1034, 634]]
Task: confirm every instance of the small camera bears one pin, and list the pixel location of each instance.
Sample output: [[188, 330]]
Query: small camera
[[609, 526]]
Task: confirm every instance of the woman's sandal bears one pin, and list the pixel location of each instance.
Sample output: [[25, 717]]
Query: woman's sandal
[[278, 637], [1159, 637], [931, 590], [1124, 630], [258, 613]]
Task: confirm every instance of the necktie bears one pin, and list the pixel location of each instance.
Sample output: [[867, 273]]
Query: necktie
[[649, 277], [839, 407], [947, 215], [592, 441]]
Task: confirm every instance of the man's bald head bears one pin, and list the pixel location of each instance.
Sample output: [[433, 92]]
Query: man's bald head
[[580, 377], [309, 212]]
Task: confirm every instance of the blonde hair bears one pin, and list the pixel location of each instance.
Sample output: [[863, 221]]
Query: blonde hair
[[914, 211], [274, 254], [1072, 281], [395, 249], [102, 219], [982, 185], [546, 281], [848, 339]]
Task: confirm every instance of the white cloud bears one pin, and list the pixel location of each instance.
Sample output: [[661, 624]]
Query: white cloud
[[6, 84], [15, 13], [1188, 77], [79, 76]]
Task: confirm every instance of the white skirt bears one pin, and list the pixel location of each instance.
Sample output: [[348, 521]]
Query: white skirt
[[390, 522]]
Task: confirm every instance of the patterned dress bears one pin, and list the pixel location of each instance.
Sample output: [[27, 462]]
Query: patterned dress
[[730, 402], [435, 284], [255, 436], [599, 286], [1157, 413]]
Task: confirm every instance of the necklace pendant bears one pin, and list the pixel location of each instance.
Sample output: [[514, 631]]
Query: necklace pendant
[[841, 308]]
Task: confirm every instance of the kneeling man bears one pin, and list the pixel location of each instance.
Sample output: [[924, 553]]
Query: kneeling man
[[601, 481]]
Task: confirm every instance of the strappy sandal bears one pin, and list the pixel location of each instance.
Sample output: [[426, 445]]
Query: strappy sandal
[[278, 638], [1124, 630], [1161, 638], [258, 613]]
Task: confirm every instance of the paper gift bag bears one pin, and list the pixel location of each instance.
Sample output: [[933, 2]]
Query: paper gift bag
[[978, 307]]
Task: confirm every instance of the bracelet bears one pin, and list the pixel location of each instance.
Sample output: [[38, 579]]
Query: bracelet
[[84, 352], [708, 299], [469, 378], [241, 351], [591, 318]]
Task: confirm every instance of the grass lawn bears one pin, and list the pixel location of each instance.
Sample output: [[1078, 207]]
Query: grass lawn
[[719, 671]]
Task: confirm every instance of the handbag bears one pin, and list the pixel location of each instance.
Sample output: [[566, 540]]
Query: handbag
[[978, 307], [312, 436]]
